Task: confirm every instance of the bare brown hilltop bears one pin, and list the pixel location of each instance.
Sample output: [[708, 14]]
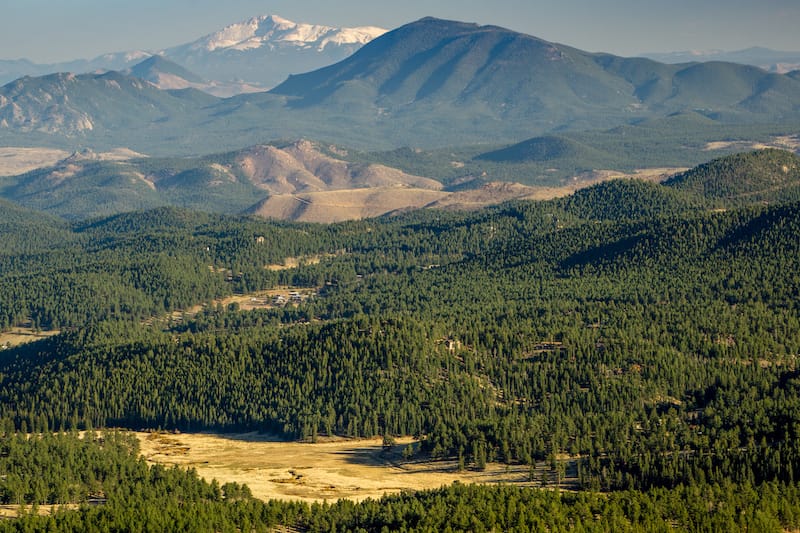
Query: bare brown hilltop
[[302, 167]]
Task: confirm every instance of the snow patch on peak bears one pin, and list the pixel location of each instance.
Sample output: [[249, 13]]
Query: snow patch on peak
[[125, 57], [277, 20], [272, 31]]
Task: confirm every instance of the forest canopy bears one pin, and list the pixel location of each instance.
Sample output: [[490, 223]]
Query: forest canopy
[[646, 332]]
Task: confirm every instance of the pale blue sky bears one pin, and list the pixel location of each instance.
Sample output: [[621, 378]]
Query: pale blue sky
[[58, 30]]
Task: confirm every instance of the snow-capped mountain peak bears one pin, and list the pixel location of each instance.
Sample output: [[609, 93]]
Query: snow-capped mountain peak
[[273, 31]]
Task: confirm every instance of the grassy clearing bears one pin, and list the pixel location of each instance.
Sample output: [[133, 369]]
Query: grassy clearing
[[15, 160], [22, 335], [327, 470], [13, 511]]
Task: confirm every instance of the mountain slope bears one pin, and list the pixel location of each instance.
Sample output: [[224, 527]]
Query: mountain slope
[[83, 186], [544, 149], [13, 215], [627, 199], [25, 230], [11, 70], [108, 104], [168, 75], [78, 185], [443, 61], [761, 176], [490, 74], [339, 205], [301, 167], [302, 181]]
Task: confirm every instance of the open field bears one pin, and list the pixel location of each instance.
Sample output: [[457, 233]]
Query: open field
[[264, 299], [328, 470], [247, 302], [350, 204], [346, 204], [12, 511], [15, 161], [294, 262], [22, 335], [783, 142]]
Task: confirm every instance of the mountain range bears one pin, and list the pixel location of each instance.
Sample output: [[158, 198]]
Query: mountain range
[[310, 182], [300, 180], [255, 54], [429, 83], [770, 60], [259, 53]]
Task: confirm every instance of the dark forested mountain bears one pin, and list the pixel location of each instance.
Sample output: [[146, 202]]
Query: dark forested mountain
[[760, 176], [435, 61], [490, 73], [431, 82], [14, 216], [547, 149], [628, 200], [31, 230]]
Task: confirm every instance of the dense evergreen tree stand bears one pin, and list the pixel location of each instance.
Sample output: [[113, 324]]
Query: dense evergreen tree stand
[[650, 333]]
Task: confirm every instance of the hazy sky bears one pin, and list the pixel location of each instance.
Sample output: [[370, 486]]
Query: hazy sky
[[58, 30]]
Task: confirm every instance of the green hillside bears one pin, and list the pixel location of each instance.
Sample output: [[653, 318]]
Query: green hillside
[[96, 188], [631, 349], [392, 316], [13, 217], [630, 330], [629, 200], [28, 231], [762, 176], [548, 149], [80, 188]]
